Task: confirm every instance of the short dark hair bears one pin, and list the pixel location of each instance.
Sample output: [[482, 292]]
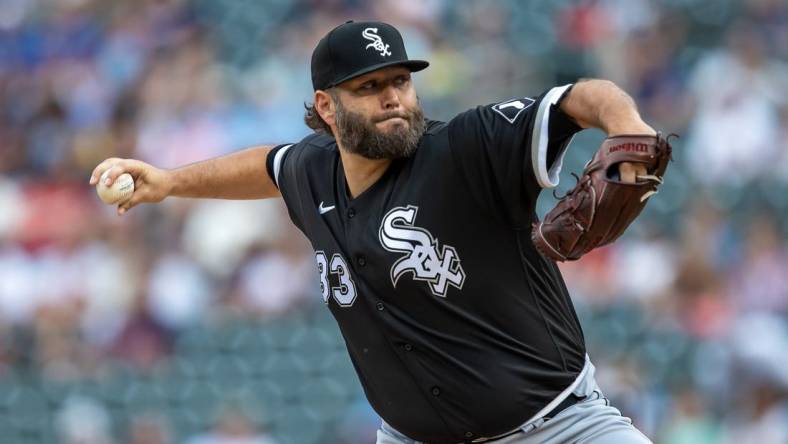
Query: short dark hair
[[312, 117]]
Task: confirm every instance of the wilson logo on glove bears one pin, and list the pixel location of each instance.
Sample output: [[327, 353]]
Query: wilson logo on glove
[[638, 147]]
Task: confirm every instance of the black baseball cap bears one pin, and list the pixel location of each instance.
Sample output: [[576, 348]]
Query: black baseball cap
[[355, 48]]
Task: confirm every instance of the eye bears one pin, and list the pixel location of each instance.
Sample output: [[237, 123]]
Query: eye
[[401, 80], [367, 86]]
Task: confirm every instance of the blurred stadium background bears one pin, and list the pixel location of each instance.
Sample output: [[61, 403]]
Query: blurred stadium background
[[200, 322]]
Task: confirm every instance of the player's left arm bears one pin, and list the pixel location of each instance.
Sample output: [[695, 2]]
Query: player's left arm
[[595, 103]]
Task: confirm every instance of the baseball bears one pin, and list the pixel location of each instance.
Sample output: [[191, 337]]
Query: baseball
[[121, 189]]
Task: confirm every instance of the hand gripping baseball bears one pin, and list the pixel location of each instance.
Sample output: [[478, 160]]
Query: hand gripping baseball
[[150, 183], [602, 205]]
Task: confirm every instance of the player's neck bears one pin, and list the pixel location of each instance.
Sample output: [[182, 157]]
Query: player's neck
[[361, 172]]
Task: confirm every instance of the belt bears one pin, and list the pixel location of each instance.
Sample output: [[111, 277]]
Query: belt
[[569, 401]]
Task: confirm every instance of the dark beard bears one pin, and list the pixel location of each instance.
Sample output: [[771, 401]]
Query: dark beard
[[359, 135]]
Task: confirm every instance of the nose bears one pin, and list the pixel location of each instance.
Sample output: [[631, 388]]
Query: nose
[[389, 98]]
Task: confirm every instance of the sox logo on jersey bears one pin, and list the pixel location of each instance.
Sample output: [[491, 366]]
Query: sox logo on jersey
[[377, 44], [439, 267]]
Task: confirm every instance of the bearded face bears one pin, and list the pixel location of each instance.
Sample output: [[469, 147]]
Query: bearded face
[[359, 134]]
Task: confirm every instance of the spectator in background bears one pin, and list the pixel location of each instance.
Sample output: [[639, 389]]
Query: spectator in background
[[763, 418], [149, 428], [83, 420], [233, 426], [691, 422], [760, 282], [143, 341], [738, 91]]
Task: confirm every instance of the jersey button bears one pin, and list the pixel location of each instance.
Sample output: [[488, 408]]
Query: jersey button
[[361, 261], [351, 213], [469, 434], [408, 347], [436, 391], [380, 306]]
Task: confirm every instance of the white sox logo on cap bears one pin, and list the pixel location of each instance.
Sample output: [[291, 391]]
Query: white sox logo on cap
[[371, 34], [341, 55]]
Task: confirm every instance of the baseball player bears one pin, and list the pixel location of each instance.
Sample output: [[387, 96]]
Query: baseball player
[[460, 330]]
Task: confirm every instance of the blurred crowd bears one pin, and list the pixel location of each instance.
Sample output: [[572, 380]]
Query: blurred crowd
[[686, 316]]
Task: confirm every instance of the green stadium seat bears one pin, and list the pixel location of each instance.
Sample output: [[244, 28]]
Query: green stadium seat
[[28, 411], [297, 426]]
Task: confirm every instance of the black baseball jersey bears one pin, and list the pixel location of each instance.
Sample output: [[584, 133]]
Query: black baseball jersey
[[456, 326]]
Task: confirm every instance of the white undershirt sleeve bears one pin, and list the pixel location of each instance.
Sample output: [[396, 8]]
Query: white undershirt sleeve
[[278, 162], [540, 140]]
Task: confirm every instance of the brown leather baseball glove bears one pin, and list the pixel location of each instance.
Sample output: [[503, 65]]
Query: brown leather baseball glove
[[600, 206]]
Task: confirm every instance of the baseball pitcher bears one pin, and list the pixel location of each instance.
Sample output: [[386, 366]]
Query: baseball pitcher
[[430, 255]]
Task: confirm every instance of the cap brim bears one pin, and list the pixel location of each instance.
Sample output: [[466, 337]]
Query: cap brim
[[412, 65]]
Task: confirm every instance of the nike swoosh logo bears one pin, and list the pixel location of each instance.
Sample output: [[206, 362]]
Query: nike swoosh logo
[[324, 210]]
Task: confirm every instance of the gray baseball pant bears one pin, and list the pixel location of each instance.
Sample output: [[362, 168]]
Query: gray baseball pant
[[591, 421]]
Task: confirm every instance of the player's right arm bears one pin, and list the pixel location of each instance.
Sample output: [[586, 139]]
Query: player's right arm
[[240, 175]]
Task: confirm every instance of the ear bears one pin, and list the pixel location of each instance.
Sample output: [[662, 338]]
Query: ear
[[324, 104]]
